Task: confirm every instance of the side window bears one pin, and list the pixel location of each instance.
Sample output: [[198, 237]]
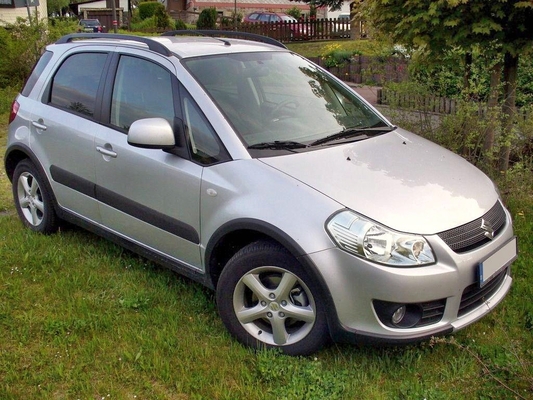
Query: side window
[[204, 144], [36, 72], [76, 82], [142, 89]]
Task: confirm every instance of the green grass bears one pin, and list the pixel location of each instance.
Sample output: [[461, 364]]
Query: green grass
[[80, 318], [316, 49]]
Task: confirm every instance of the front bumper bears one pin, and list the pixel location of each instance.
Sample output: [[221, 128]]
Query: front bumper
[[446, 296]]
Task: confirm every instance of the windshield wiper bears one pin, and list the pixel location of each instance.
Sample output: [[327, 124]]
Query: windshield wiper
[[354, 133], [278, 145]]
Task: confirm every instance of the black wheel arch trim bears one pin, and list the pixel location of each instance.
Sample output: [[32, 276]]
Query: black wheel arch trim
[[11, 162]]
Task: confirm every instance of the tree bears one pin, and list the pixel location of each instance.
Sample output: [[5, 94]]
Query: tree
[[501, 29], [207, 19], [57, 6]]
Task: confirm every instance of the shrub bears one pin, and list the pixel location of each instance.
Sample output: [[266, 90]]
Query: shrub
[[207, 19], [162, 19], [295, 12], [148, 9], [20, 45], [180, 25], [145, 25], [336, 56]]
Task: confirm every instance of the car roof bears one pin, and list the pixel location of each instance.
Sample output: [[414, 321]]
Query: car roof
[[180, 46], [192, 46]]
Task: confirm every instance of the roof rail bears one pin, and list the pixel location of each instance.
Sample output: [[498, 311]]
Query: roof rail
[[152, 44], [228, 34]]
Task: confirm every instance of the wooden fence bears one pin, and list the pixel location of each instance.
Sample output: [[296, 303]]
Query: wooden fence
[[429, 103], [435, 104], [320, 29]]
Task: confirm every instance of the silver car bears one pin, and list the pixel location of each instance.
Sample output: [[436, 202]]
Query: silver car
[[255, 172]]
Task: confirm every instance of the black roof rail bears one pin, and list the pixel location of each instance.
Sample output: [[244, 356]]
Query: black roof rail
[[152, 44], [229, 34]]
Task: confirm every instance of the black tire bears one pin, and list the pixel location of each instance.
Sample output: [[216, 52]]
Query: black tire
[[267, 300], [32, 200]]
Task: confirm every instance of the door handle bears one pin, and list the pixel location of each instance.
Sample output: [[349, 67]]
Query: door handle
[[106, 152], [39, 125]]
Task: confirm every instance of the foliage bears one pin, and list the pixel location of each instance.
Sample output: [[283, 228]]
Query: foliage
[[148, 9], [162, 18], [207, 18], [145, 25], [56, 6], [445, 75], [295, 12], [180, 25], [498, 30], [160, 21], [335, 56], [21, 45]]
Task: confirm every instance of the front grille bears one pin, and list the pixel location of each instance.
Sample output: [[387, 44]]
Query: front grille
[[432, 312], [474, 296], [471, 235]]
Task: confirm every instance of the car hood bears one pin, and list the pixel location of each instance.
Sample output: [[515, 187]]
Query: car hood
[[398, 179]]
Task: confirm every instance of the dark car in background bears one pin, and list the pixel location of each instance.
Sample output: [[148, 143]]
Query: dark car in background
[[89, 25]]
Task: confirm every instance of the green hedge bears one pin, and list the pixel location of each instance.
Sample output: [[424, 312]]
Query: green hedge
[[148, 9]]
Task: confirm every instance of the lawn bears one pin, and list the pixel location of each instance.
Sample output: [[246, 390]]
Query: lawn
[[80, 318], [316, 49]]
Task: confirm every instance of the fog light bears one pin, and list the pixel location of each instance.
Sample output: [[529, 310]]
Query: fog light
[[398, 315]]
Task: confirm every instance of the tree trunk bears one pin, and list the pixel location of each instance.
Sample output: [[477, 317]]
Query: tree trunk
[[510, 68], [467, 75], [355, 20], [495, 79]]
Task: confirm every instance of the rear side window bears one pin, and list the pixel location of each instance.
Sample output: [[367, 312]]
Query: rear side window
[[36, 73], [75, 84]]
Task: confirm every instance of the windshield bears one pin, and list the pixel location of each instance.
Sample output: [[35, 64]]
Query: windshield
[[280, 97], [90, 22]]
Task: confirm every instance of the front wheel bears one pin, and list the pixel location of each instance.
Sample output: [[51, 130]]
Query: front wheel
[[266, 299], [32, 200]]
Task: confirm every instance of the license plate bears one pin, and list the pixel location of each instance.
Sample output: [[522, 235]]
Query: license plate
[[497, 261]]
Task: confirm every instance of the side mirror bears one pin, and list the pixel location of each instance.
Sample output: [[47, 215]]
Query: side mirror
[[151, 133]]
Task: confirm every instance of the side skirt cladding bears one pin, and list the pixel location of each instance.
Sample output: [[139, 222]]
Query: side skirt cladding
[[125, 205]]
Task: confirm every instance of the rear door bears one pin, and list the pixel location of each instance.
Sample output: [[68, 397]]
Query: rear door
[[63, 125]]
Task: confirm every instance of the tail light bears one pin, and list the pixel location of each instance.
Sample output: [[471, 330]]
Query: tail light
[[14, 110]]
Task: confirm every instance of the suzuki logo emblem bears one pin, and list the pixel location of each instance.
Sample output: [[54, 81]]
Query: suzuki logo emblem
[[487, 227]]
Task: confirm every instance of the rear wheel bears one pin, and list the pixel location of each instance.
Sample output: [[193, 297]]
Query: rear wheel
[[32, 200], [266, 299]]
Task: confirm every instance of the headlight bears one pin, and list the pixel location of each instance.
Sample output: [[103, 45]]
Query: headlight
[[364, 238]]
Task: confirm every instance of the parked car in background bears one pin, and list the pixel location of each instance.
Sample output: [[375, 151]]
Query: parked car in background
[[89, 26], [250, 169], [342, 26], [298, 30]]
